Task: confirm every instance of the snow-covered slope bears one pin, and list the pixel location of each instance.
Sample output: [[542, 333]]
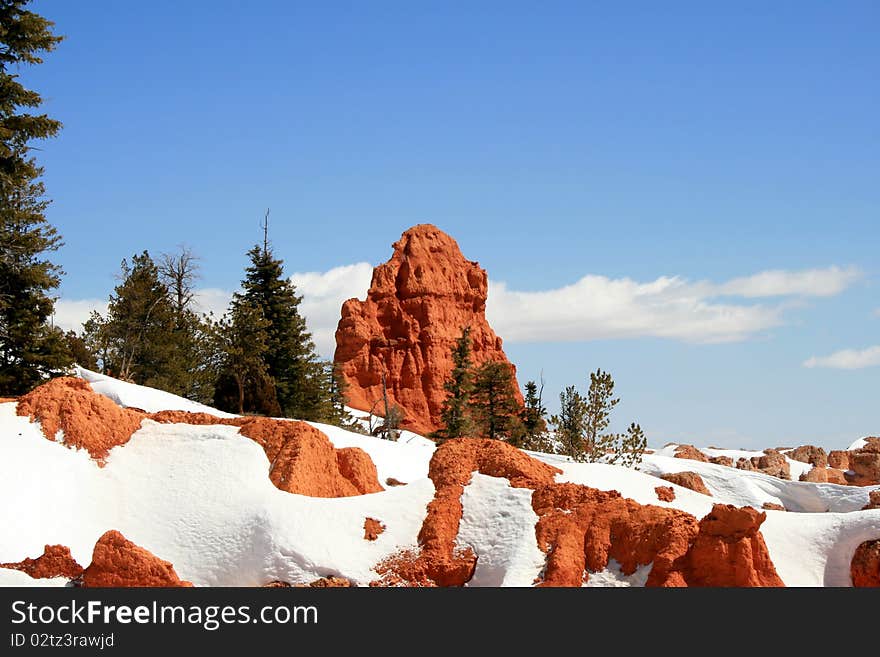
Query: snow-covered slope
[[200, 497]]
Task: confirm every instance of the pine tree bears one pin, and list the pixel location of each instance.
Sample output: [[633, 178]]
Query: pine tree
[[570, 424], [532, 417], [493, 405], [291, 360], [135, 341], [582, 421], [600, 404], [80, 352], [332, 406], [455, 413], [30, 349], [243, 340]]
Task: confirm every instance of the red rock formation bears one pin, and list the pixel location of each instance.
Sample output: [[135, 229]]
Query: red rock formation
[[305, 462], [743, 463], [391, 481], [417, 305], [865, 565], [730, 551], [815, 456], [873, 500], [580, 529], [690, 452], [665, 493], [838, 458], [116, 561], [722, 460], [772, 506], [89, 421], [56, 561], [865, 465], [688, 480], [302, 458], [372, 529], [822, 475], [438, 563], [772, 463]]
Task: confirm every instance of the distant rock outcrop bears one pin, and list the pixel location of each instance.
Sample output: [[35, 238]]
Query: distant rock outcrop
[[690, 452], [687, 480], [811, 454], [116, 561], [417, 305], [772, 463], [864, 463]]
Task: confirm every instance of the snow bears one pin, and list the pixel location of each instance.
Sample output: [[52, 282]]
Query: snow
[[9, 577], [612, 576], [858, 444], [200, 497], [129, 395], [498, 524], [404, 461]]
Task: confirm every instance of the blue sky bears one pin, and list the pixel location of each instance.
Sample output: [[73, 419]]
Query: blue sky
[[670, 151]]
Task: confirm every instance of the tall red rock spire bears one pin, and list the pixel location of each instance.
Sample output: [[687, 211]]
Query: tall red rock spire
[[418, 303]]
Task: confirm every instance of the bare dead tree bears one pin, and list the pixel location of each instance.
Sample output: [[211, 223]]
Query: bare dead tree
[[179, 272]]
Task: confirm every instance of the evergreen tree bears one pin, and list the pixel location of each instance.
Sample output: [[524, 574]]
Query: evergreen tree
[[455, 413], [493, 404], [600, 404], [243, 340], [135, 341], [532, 417], [570, 424], [582, 421], [291, 360], [332, 406], [80, 352], [30, 349]]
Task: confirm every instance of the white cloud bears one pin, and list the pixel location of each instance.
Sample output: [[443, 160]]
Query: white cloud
[[847, 359], [212, 300], [778, 283], [70, 314], [595, 307], [323, 294]]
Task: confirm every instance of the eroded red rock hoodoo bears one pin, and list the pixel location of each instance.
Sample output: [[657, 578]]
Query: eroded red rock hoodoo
[[56, 561], [116, 561], [730, 551], [302, 458], [417, 305]]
